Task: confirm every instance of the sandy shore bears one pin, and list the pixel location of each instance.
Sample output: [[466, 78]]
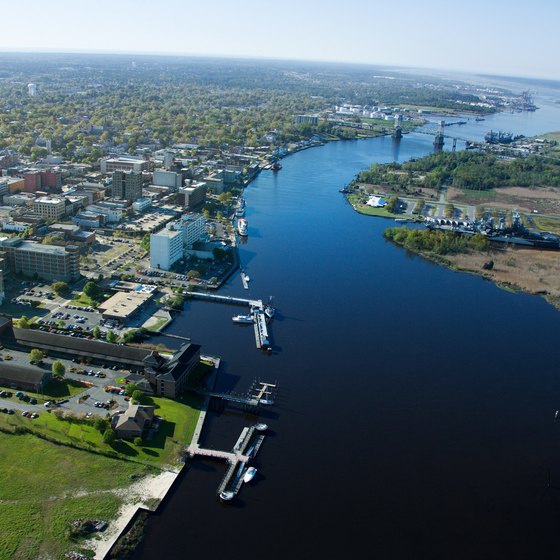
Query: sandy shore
[[142, 493]]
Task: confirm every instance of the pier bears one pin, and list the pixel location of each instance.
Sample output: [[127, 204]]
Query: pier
[[256, 306], [237, 459]]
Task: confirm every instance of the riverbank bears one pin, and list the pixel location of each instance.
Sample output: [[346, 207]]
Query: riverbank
[[531, 271]]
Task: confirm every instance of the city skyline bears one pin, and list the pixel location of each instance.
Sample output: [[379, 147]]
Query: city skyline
[[504, 38]]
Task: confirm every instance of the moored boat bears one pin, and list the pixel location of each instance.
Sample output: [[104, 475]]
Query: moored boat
[[226, 495], [260, 427], [250, 474], [245, 319], [242, 227]]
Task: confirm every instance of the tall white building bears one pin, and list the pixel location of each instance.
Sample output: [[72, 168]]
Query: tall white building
[[166, 247], [32, 90], [194, 228]]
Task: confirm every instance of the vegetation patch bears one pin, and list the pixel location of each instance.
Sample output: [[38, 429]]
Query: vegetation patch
[[36, 516]]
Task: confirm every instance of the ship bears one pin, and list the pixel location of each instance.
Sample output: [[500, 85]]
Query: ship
[[240, 210], [501, 137], [516, 234], [242, 227]]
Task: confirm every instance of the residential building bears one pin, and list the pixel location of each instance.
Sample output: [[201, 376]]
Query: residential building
[[127, 185], [166, 247], [49, 207], [307, 119], [42, 179], [134, 421], [124, 163], [49, 262]]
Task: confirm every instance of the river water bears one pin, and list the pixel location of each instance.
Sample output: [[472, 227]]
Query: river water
[[415, 412]]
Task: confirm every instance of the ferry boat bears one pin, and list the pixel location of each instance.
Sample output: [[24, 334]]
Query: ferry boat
[[242, 227], [244, 319], [250, 474], [226, 495]]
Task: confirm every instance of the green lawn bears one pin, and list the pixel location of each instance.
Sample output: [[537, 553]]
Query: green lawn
[[54, 390], [83, 301], [44, 486], [179, 418], [546, 223]]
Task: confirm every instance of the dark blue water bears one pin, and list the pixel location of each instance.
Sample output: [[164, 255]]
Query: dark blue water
[[415, 415]]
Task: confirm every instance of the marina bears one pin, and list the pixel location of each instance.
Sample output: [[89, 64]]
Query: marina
[[260, 314]]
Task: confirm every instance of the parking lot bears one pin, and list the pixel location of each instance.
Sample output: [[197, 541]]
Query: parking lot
[[100, 386]]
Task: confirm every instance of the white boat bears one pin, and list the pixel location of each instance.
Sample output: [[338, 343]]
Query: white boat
[[269, 309], [250, 474], [261, 427], [226, 495], [240, 212], [244, 319], [242, 227], [401, 220]]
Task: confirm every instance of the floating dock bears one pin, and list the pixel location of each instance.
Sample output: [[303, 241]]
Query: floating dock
[[257, 306], [237, 459]]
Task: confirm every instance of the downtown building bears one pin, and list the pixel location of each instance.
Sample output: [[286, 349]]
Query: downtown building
[[127, 185], [49, 262]]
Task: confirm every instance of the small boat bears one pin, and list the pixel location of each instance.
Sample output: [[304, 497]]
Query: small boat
[[244, 319], [276, 166], [261, 427], [269, 309], [242, 227], [226, 495], [240, 212], [266, 402], [401, 220], [250, 474]]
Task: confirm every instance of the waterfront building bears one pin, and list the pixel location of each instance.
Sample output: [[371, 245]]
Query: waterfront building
[[49, 207], [168, 377], [127, 185], [49, 262], [194, 228], [123, 163], [166, 247], [123, 305]]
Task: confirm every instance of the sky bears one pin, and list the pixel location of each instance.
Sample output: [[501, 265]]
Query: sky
[[506, 37]]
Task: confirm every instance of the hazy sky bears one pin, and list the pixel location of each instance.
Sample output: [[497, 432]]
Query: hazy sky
[[498, 36]]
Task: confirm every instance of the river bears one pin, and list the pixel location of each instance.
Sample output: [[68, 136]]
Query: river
[[415, 416]]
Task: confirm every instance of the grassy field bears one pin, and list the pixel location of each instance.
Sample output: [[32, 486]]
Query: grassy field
[[179, 419], [36, 513]]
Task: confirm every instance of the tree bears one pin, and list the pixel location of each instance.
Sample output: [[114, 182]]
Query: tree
[[138, 396], [111, 336], [23, 322], [92, 290], [96, 332], [138, 441], [145, 243], [109, 436], [130, 388], [36, 356], [101, 424], [392, 204], [60, 288], [219, 253], [58, 369]]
